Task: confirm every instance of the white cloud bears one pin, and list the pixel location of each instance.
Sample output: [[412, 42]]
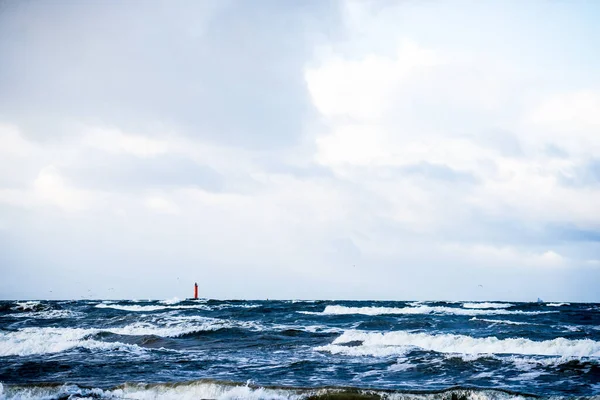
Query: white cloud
[[506, 256], [115, 141], [50, 188], [381, 111], [161, 205], [12, 144], [362, 88], [569, 120]]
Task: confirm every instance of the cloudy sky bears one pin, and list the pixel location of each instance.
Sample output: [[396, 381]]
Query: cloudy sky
[[308, 149]]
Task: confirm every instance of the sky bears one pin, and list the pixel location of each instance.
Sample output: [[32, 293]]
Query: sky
[[402, 150]]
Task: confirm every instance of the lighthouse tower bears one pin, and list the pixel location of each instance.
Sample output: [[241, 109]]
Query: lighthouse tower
[[196, 291]]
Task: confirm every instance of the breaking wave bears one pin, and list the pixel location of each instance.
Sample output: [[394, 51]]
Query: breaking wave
[[30, 306], [400, 342], [50, 314], [219, 390], [138, 308], [174, 300], [487, 305], [29, 341], [501, 321], [344, 310]]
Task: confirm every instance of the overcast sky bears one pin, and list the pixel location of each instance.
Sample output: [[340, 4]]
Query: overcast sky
[[300, 149]]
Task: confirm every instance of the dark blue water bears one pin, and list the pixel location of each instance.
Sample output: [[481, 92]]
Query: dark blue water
[[290, 349]]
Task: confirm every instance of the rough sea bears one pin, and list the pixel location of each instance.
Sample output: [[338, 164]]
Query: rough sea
[[214, 349]]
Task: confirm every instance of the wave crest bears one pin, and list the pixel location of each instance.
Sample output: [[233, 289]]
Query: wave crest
[[138, 308], [30, 341], [206, 389], [400, 342], [487, 305], [422, 309]]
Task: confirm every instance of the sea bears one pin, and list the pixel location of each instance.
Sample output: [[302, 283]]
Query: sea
[[234, 349]]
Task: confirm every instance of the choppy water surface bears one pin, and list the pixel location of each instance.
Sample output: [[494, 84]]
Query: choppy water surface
[[293, 349]]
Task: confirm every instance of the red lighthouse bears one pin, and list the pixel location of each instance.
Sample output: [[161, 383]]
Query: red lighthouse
[[196, 291]]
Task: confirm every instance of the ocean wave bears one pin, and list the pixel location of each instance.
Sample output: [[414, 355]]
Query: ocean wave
[[30, 341], [212, 324], [487, 305], [343, 310], [168, 330], [174, 300], [50, 314], [134, 308], [228, 306], [558, 304], [193, 390], [501, 321], [150, 308], [30, 306], [219, 390], [399, 342]]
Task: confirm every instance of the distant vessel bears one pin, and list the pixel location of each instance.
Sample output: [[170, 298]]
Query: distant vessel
[[540, 300]]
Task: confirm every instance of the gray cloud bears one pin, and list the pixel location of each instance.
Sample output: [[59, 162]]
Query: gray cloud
[[586, 175], [228, 72], [129, 173], [438, 172]]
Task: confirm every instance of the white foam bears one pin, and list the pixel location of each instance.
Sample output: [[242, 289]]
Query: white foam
[[398, 342], [135, 308], [526, 363], [226, 306], [28, 341], [28, 306], [138, 308], [487, 305], [190, 391], [558, 304], [215, 323], [50, 314], [402, 364], [217, 391], [501, 321], [172, 301], [145, 329], [178, 326], [343, 310]]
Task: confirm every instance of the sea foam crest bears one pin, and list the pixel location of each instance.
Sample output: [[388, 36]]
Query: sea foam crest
[[200, 390], [487, 305], [343, 310], [501, 321], [135, 307], [222, 391], [149, 308], [29, 306], [169, 330], [399, 342], [28, 341], [172, 301], [50, 314]]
